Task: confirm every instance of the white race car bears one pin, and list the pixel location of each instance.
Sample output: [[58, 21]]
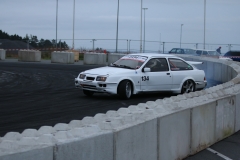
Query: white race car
[[143, 72]]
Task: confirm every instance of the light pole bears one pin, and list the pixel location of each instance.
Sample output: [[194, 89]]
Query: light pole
[[163, 46], [73, 22], [204, 24], [181, 37], [141, 31], [160, 44], [117, 28], [129, 46], [144, 31], [56, 21], [93, 40]]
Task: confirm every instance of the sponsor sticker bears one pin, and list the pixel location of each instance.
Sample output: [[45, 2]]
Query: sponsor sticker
[[136, 58]]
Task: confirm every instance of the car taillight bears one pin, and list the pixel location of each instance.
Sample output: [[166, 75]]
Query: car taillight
[[204, 78]]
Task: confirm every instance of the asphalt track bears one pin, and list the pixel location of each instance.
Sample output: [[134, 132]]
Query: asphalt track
[[43, 94], [38, 94]]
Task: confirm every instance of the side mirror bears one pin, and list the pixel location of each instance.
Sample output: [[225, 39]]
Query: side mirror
[[146, 69]]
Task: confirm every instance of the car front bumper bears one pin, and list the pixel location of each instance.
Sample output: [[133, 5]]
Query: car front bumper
[[96, 86]]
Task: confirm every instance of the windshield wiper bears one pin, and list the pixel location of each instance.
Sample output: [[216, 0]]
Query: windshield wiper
[[124, 66], [114, 65]]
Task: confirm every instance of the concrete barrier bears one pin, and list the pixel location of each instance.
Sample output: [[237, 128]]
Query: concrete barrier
[[29, 56], [45, 153], [142, 140], [76, 54], [62, 57], [203, 126], [2, 54], [225, 117], [174, 135], [169, 128], [237, 113], [113, 57], [224, 69], [95, 58], [98, 146]]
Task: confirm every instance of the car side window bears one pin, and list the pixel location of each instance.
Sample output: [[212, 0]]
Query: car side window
[[179, 51], [199, 52], [157, 64], [213, 53], [178, 65], [205, 53], [173, 51]]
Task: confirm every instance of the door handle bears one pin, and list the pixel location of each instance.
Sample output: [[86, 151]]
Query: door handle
[[168, 73]]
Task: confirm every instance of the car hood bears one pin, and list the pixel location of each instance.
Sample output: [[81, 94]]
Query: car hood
[[108, 71]]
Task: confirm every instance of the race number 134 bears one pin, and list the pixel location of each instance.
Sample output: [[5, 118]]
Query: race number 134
[[145, 78]]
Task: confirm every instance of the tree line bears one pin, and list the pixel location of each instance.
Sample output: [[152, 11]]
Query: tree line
[[33, 40]]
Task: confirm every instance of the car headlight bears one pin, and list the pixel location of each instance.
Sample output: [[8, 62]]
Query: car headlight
[[101, 78], [82, 76]]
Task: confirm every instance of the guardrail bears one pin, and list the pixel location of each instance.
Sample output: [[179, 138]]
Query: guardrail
[[169, 128]]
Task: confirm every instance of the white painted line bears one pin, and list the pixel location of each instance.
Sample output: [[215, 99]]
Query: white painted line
[[219, 154]]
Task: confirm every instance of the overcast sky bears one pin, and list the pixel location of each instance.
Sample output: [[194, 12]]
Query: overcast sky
[[95, 19]]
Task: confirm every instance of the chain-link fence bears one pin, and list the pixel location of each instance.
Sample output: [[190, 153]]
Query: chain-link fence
[[133, 46], [122, 46]]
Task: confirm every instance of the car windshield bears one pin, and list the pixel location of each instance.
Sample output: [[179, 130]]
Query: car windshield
[[173, 50], [189, 51], [130, 62]]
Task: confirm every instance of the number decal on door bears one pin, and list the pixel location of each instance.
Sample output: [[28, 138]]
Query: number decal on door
[[145, 78]]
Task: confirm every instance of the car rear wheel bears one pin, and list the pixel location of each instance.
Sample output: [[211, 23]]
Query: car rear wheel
[[188, 86], [88, 93], [125, 89]]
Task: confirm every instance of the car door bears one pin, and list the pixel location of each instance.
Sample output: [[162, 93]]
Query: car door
[[179, 71], [158, 78]]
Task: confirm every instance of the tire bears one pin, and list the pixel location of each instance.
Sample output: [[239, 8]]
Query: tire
[[125, 89], [88, 93], [188, 86]]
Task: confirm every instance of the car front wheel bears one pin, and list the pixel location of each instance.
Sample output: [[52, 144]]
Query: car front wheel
[[125, 89], [188, 86], [88, 93]]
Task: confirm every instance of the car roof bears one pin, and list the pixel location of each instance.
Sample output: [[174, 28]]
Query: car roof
[[234, 51], [204, 50], [153, 55], [183, 48]]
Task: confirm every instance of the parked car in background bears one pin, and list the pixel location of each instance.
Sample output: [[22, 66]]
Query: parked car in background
[[234, 55], [143, 72], [182, 51], [211, 53]]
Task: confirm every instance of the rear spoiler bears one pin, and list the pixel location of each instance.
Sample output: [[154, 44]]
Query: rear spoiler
[[194, 62]]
